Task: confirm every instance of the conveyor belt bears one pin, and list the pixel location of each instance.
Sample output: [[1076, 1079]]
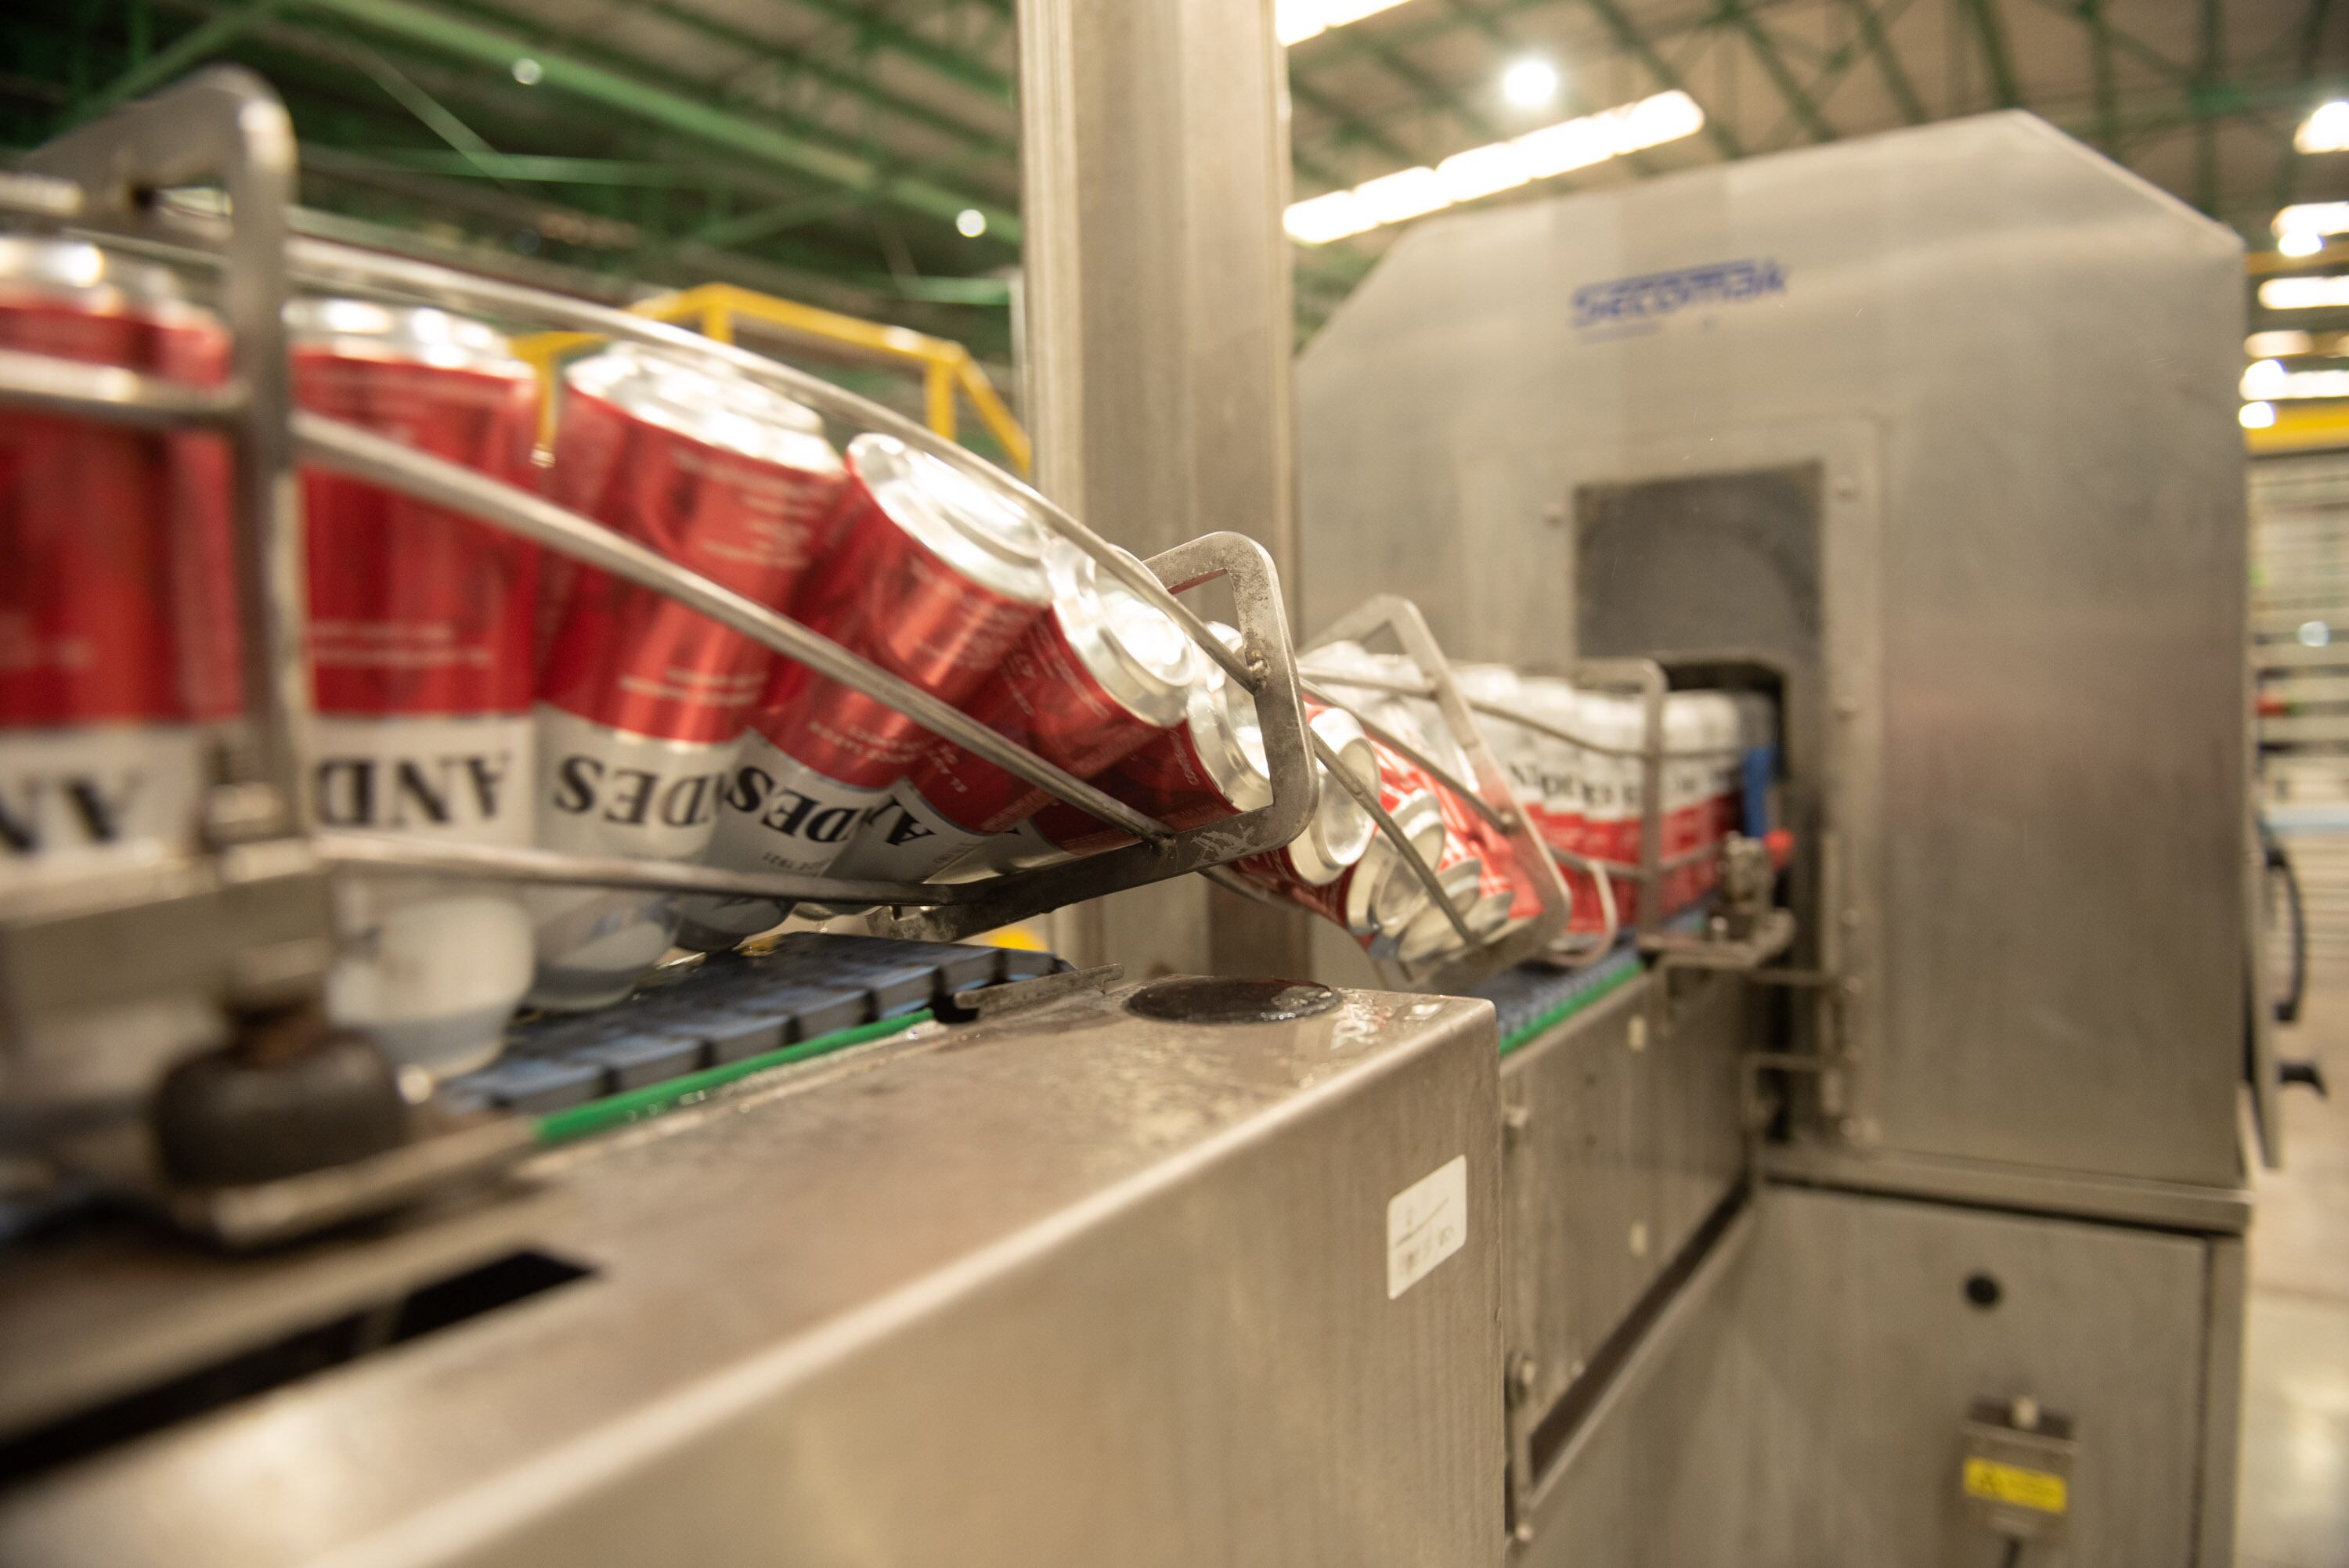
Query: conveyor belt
[[730, 1007], [1533, 997]]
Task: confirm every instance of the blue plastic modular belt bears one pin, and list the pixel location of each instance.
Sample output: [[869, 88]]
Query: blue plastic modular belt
[[730, 1007]]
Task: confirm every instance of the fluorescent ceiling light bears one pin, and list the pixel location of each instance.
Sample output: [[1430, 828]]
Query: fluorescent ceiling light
[[2256, 415], [1482, 170], [1325, 218], [1294, 21], [1530, 83], [2286, 383], [2299, 243], [2305, 294], [970, 222], [2278, 344], [2262, 379], [2312, 218], [1497, 166], [2326, 131]]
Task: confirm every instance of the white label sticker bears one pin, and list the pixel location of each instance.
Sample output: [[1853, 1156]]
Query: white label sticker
[[1427, 1222]]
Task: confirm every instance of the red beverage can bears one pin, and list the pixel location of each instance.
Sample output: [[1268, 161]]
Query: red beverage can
[[936, 578], [1106, 672], [642, 700], [1208, 769], [115, 571], [420, 621]]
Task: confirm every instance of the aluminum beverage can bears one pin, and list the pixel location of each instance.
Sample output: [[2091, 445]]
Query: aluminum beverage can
[[118, 651], [1374, 899], [1614, 790], [1208, 769], [420, 621], [936, 579], [642, 700], [1102, 673], [1339, 832], [1467, 878]]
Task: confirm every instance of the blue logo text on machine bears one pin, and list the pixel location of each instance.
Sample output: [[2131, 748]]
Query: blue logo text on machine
[[1644, 301]]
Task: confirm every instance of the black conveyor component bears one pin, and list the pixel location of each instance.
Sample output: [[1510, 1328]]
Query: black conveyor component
[[728, 1007]]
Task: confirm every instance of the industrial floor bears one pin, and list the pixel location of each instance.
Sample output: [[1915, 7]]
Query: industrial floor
[[2294, 1511]]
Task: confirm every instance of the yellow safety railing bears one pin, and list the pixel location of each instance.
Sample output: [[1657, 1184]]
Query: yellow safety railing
[[947, 370]]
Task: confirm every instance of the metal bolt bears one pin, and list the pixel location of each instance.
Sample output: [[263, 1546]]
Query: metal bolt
[[1515, 1120], [1523, 1532], [1525, 1372]]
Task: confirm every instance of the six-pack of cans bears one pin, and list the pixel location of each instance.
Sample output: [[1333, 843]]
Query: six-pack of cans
[[473, 688]]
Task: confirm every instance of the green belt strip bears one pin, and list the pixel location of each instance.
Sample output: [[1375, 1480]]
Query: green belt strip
[[638, 1104], [1526, 1033]]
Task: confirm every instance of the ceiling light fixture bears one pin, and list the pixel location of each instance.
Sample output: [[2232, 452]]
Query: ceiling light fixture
[[970, 222], [2312, 218], [2299, 243], [2256, 415], [1497, 166], [1530, 83], [2281, 344], [2326, 131], [2305, 294], [528, 72]]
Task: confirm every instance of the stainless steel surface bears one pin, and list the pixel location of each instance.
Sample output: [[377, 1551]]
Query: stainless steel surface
[[1154, 144], [2178, 1205], [2018, 692], [1624, 1136], [1076, 1288], [1808, 1414]]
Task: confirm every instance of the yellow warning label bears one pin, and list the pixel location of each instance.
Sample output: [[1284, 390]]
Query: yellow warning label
[[2016, 1487]]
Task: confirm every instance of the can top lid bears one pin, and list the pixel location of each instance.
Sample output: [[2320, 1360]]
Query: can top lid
[[989, 535], [1226, 733], [712, 404], [369, 329], [89, 275], [1141, 657], [1496, 684], [1338, 830]]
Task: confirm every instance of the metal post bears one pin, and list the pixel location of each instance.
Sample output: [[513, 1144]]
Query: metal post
[[1154, 158]]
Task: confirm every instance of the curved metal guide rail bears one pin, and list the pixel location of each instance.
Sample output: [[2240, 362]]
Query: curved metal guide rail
[[224, 125], [1391, 618]]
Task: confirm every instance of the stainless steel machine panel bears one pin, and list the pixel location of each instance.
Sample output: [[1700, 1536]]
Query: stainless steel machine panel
[[1622, 1139], [1809, 1414], [1076, 1288], [2002, 370]]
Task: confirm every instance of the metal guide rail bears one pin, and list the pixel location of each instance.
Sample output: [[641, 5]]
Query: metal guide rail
[[225, 127], [1474, 955]]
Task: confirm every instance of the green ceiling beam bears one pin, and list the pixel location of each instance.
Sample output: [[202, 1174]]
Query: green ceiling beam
[[676, 111], [1990, 36], [892, 38], [2209, 67], [530, 167], [2094, 13], [1870, 23], [1632, 42], [1803, 106], [805, 62], [190, 49], [2100, 68]]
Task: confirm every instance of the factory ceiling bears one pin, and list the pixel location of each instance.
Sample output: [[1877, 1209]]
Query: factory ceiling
[[843, 152]]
